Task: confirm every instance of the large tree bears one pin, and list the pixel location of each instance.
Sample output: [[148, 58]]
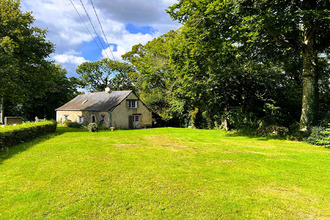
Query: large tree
[[154, 77], [268, 30], [23, 52], [57, 90], [95, 76]]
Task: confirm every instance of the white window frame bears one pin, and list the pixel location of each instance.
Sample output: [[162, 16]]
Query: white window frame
[[136, 118], [80, 120], [132, 103]]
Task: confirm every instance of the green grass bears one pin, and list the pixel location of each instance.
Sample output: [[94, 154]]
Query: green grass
[[166, 173]]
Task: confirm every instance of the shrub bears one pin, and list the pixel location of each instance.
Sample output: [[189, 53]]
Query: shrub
[[325, 137], [74, 125], [103, 128], [12, 135], [272, 130], [66, 122], [319, 136], [92, 127]]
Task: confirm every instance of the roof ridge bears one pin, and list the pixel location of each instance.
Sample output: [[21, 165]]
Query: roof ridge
[[108, 93]]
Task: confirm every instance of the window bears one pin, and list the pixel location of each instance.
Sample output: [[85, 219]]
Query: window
[[102, 119], [66, 117], [80, 119], [93, 119], [132, 104], [136, 118]]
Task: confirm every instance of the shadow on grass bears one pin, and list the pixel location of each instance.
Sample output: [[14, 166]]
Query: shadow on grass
[[61, 130], [257, 137], [8, 152]]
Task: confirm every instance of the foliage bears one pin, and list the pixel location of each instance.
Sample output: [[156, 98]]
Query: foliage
[[274, 130], [11, 135], [92, 127], [258, 38], [30, 84], [250, 61], [66, 122], [95, 76], [74, 125], [23, 51], [163, 173], [57, 90], [320, 136], [154, 78], [103, 128]]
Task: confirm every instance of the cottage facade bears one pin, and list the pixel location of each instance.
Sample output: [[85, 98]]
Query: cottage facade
[[120, 109]]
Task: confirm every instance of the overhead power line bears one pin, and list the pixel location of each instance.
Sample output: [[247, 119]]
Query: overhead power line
[[85, 25], [90, 20], [105, 37]]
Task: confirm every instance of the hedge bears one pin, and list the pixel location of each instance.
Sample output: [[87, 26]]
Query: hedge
[[11, 135]]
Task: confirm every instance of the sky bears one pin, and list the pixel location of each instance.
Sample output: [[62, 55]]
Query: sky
[[124, 22]]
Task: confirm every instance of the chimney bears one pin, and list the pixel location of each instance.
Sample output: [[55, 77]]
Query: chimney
[[108, 89]]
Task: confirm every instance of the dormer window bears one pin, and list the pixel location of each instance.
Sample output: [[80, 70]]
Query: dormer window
[[132, 104]]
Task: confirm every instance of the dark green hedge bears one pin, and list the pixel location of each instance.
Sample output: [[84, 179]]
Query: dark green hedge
[[12, 135]]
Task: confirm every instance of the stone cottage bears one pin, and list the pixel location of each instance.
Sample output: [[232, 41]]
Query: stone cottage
[[120, 109]]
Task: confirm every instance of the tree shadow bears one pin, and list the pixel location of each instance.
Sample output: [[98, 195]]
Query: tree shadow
[[8, 152], [256, 137]]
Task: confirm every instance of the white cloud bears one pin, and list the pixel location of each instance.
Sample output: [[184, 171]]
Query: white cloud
[[69, 59], [68, 32]]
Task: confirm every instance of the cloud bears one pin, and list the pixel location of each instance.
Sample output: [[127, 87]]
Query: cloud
[[69, 59], [69, 34], [140, 12]]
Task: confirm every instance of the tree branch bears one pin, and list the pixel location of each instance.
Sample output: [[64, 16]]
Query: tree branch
[[282, 42]]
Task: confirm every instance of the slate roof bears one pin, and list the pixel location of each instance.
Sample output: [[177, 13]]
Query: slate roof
[[97, 101]]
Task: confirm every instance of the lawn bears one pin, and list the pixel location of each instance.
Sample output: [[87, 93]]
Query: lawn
[[165, 173]]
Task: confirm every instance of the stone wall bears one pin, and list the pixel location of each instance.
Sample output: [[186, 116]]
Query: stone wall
[[13, 120], [120, 115], [87, 115]]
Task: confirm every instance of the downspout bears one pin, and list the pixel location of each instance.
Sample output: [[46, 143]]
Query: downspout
[[110, 119]]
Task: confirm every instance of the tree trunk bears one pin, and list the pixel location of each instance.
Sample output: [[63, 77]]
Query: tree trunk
[[310, 89], [1, 111]]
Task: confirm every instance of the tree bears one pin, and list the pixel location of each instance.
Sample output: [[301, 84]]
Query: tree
[[24, 68], [267, 30], [154, 79], [57, 90], [23, 52], [95, 76]]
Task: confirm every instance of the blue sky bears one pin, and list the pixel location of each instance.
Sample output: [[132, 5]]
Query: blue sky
[[125, 23]]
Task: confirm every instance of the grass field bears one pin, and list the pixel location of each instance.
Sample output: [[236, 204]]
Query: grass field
[[166, 173]]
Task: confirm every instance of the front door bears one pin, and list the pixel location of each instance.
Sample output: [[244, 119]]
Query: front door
[[130, 121]]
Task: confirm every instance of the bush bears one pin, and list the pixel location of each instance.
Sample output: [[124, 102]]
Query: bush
[[66, 122], [272, 130], [319, 136], [103, 128], [12, 135], [74, 125], [92, 127]]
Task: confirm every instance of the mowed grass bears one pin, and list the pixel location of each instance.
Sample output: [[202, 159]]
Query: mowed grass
[[165, 173]]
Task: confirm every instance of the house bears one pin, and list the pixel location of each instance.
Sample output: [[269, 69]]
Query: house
[[120, 109]]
